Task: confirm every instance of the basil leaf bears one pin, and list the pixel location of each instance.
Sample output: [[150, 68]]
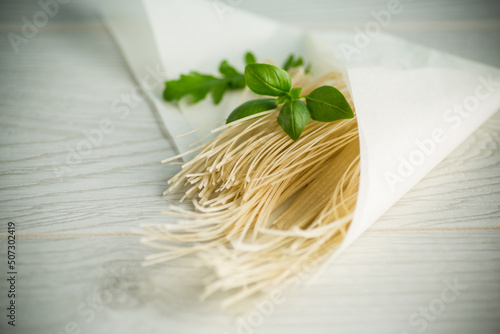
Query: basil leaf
[[236, 82], [295, 93], [195, 84], [327, 104], [288, 62], [308, 68], [198, 85], [298, 62], [218, 91], [291, 62], [267, 79], [250, 58], [250, 108], [283, 99], [227, 70], [235, 79], [293, 118]]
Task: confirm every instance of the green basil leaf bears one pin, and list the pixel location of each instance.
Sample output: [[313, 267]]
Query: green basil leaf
[[227, 70], [198, 85], [267, 79], [293, 118], [236, 82], [250, 108], [195, 84], [327, 104], [298, 62], [218, 91], [291, 62], [295, 93], [308, 68], [283, 99], [288, 62], [250, 58]]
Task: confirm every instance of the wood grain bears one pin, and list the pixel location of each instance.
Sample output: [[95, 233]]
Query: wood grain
[[74, 228]]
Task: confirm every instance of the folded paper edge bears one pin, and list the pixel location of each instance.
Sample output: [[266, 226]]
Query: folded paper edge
[[112, 13]]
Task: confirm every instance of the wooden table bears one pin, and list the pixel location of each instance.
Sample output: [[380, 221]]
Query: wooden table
[[78, 263]]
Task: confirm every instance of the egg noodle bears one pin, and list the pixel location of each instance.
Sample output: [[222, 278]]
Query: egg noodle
[[265, 205]]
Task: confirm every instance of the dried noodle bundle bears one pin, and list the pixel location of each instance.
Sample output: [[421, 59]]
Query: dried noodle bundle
[[265, 205]]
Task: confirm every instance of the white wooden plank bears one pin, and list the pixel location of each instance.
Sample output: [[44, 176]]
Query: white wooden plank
[[42, 125], [375, 286], [77, 225]]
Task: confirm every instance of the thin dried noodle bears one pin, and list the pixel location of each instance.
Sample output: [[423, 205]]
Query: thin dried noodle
[[265, 205]]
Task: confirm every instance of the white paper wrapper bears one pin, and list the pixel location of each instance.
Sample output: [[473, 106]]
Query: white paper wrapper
[[414, 105]]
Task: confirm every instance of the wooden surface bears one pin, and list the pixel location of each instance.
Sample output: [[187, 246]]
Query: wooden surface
[[79, 263]]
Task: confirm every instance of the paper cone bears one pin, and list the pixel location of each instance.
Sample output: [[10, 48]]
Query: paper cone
[[414, 105]]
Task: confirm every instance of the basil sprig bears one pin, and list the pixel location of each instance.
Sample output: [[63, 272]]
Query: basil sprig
[[250, 108], [267, 79], [198, 85], [293, 118], [324, 104]]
